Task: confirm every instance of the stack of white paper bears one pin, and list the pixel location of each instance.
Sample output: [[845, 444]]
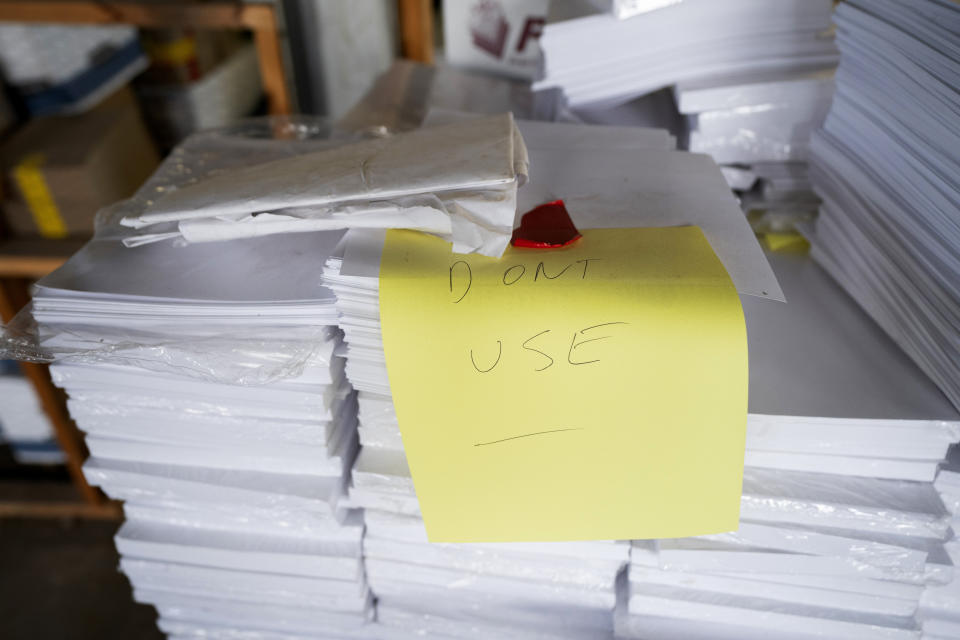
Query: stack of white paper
[[845, 436], [751, 81], [759, 125], [231, 492], [525, 590], [841, 531], [889, 422], [840, 522], [875, 535], [763, 117], [887, 169], [206, 380], [599, 60]]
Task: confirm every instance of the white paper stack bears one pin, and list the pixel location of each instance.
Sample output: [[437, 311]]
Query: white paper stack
[[760, 126], [214, 406], [760, 117], [887, 169], [840, 524], [528, 590], [841, 531], [478, 591], [522, 590], [232, 492], [599, 60], [829, 393]]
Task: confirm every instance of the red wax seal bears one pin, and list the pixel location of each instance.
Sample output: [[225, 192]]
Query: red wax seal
[[547, 226]]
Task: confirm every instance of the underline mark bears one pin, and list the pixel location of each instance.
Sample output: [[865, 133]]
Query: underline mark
[[527, 435]]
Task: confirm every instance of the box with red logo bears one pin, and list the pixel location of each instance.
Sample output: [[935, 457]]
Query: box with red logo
[[495, 35]]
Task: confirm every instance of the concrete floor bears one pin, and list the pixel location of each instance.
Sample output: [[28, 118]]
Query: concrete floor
[[59, 579]]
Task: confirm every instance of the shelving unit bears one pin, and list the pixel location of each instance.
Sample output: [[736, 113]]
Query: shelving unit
[[22, 262], [260, 18]]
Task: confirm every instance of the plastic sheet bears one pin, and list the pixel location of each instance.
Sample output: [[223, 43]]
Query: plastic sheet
[[758, 133], [214, 151], [866, 521], [225, 352], [458, 181], [244, 357]]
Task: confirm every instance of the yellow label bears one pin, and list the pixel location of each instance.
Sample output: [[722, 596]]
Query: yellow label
[[785, 241], [597, 391], [29, 178], [176, 52]]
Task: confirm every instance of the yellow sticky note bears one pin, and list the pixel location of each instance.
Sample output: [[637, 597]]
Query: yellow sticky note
[[597, 391]]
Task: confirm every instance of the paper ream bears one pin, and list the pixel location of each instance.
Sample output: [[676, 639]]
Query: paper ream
[[595, 391]]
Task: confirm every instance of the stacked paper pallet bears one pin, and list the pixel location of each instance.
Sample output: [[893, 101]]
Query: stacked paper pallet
[[886, 167], [599, 60]]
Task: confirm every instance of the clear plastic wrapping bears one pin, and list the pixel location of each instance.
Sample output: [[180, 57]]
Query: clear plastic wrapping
[[458, 181], [224, 341], [244, 357], [758, 133]]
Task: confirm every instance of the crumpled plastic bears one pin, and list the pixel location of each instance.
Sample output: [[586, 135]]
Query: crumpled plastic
[[242, 356], [458, 181]]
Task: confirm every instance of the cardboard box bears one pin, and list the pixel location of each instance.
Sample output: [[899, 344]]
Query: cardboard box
[[495, 35], [182, 56], [227, 93], [59, 171]]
